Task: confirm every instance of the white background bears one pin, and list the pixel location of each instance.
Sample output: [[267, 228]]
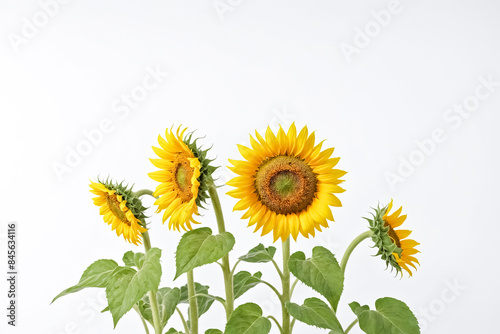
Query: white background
[[233, 69]]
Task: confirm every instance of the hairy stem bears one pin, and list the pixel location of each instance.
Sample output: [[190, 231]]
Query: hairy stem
[[143, 192], [144, 323], [184, 323], [285, 282], [350, 248], [351, 326], [152, 294], [193, 303], [226, 268]]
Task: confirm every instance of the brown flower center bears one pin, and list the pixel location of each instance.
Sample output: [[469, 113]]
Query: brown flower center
[[183, 174], [285, 184], [114, 206]]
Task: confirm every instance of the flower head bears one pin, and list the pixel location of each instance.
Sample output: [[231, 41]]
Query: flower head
[[120, 208], [184, 177], [286, 183], [393, 247]]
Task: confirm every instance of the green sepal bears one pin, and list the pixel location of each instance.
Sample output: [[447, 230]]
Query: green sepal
[[383, 242], [134, 203], [206, 170]]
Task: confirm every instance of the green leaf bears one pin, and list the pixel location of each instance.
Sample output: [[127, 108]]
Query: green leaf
[[213, 331], [127, 286], [357, 308], [173, 331], [168, 299], [391, 317], [199, 247], [204, 303], [248, 319], [321, 272], [244, 281], [259, 254], [128, 259], [95, 276], [132, 259], [315, 312]]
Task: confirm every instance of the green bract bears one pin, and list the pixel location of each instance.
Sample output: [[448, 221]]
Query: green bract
[[134, 203], [386, 246], [206, 169]]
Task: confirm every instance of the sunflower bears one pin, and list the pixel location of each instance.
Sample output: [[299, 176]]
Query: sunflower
[[286, 183], [184, 177], [394, 248], [120, 208]]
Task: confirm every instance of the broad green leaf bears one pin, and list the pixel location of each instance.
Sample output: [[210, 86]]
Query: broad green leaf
[[357, 308], [95, 276], [132, 259], [244, 281], [213, 331], [173, 331], [204, 303], [168, 299], [315, 312], [391, 317], [128, 259], [199, 247], [259, 254], [248, 319], [321, 272], [127, 286]]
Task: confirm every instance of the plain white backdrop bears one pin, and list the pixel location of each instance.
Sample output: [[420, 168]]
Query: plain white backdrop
[[407, 91]]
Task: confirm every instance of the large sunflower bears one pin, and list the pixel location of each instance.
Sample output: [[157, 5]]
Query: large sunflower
[[120, 208], [286, 183], [184, 174], [395, 249]]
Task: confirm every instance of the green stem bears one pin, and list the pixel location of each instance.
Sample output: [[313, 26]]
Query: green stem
[[152, 294], [234, 267], [220, 300], [184, 323], [226, 268], [277, 268], [276, 322], [193, 303], [293, 287], [285, 281], [143, 192], [351, 326], [280, 297], [142, 319], [351, 247]]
